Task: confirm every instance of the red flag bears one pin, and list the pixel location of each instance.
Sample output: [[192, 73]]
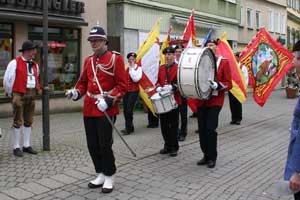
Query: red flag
[[238, 81], [189, 33], [267, 62]]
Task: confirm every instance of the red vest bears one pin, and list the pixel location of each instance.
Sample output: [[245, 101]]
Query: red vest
[[21, 76]]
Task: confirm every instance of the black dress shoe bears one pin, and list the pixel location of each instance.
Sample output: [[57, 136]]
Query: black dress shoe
[[125, 132], [181, 138], [197, 131], [29, 150], [203, 161], [164, 151], [93, 186], [107, 190], [173, 153], [238, 122], [232, 122], [18, 152], [211, 164]]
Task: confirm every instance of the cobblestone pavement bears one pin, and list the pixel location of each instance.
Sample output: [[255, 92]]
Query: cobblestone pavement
[[251, 158]]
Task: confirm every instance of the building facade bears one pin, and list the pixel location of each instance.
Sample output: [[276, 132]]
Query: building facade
[[131, 20], [69, 25], [293, 22], [255, 14]]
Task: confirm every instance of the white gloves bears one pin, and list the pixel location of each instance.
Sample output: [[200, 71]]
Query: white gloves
[[101, 104], [167, 88], [159, 89], [72, 93], [213, 84]]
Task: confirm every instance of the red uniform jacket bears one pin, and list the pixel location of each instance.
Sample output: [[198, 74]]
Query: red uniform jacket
[[132, 86], [112, 79], [224, 79], [162, 79], [21, 76]]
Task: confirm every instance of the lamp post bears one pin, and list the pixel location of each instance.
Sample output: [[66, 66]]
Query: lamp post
[[45, 95]]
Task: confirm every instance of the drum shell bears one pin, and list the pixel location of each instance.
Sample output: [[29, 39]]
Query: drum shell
[[163, 104], [188, 78]]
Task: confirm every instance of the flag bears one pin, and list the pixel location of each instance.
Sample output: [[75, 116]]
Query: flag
[[238, 82], [148, 58], [207, 37], [164, 45], [189, 33], [267, 62]]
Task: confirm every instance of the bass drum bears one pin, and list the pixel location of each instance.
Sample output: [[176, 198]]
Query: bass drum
[[196, 67]]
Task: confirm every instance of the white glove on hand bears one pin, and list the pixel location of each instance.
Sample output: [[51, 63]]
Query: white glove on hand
[[168, 88], [72, 93], [213, 84], [159, 89], [101, 104]]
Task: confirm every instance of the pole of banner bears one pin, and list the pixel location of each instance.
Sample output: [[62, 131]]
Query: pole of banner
[[45, 95]]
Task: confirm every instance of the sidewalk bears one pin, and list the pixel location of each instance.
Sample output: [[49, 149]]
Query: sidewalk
[[251, 157]]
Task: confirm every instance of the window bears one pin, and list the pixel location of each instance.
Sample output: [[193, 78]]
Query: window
[[289, 3], [63, 56], [257, 19], [249, 18], [6, 51], [276, 22], [288, 35], [283, 24], [242, 18], [271, 21]]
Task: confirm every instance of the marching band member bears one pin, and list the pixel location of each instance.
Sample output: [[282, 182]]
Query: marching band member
[[182, 132], [129, 100], [208, 110], [103, 81], [167, 81], [236, 106], [21, 82]]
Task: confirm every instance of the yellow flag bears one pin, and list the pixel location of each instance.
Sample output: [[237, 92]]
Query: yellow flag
[[163, 46], [148, 48]]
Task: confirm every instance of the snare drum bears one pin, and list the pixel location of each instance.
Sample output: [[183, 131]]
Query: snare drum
[[196, 66], [163, 102]]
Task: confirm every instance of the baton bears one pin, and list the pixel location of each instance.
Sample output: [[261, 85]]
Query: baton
[[118, 132]]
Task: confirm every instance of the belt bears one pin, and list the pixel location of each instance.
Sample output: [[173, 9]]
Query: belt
[[95, 96]]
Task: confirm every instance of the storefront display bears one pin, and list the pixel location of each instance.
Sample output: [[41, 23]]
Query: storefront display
[[5, 51], [63, 57]]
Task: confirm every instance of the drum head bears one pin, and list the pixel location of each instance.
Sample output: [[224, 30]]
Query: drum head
[[206, 72]]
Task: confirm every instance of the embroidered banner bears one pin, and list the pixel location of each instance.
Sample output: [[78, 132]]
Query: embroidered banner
[[267, 62]]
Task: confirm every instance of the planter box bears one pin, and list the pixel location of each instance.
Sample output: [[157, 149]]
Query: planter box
[[291, 92]]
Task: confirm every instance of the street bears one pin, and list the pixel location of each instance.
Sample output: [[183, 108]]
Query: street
[[251, 157]]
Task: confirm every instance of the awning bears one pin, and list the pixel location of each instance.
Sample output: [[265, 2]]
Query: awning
[[198, 23], [17, 15]]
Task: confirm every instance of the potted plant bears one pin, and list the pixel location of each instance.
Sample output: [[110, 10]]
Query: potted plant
[[292, 87]]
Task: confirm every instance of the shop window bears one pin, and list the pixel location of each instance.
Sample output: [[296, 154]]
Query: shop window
[[6, 51], [63, 57]]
